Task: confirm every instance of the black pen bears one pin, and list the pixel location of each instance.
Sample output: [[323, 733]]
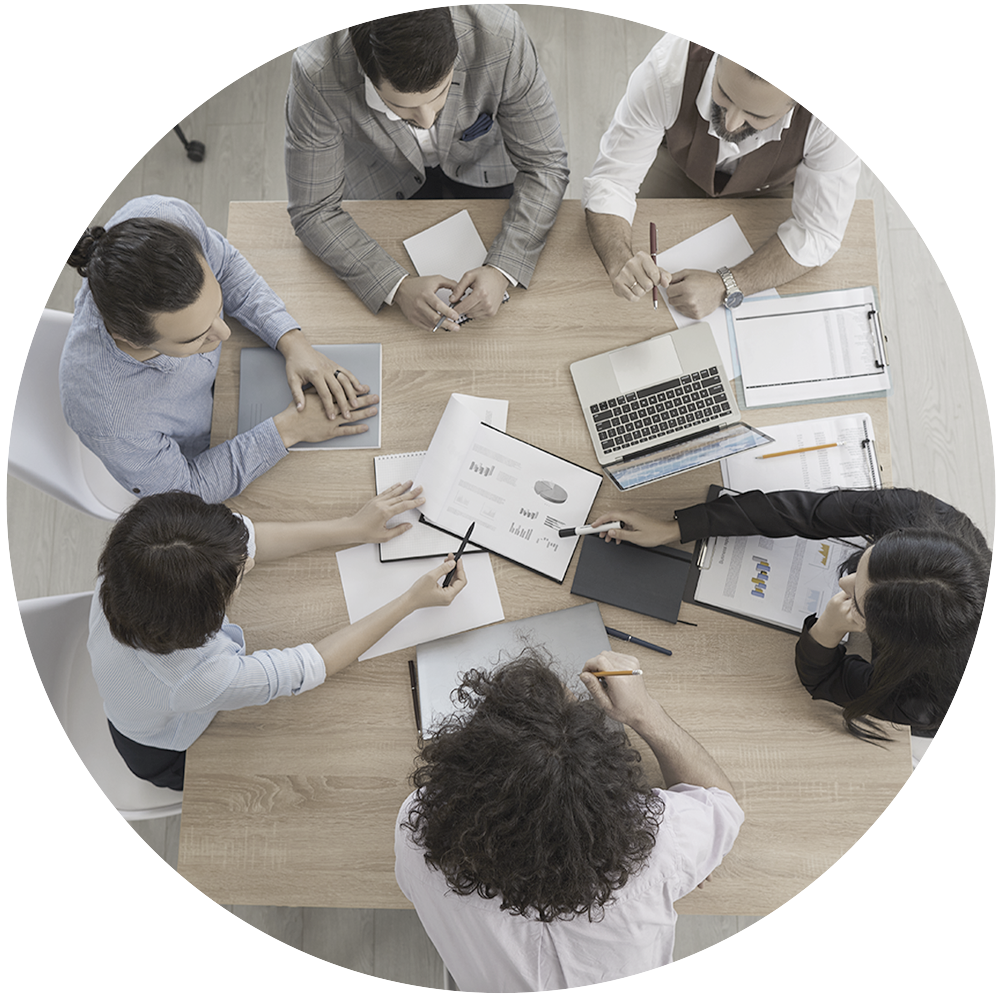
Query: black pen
[[625, 637], [416, 697], [458, 555]]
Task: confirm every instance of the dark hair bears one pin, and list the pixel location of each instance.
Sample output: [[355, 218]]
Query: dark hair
[[532, 797], [170, 566], [922, 609], [413, 52], [139, 267]]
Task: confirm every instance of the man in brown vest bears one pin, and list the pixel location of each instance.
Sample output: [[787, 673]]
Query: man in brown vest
[[694, 124]]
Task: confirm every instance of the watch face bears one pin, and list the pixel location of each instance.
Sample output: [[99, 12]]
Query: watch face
[[733, 300]]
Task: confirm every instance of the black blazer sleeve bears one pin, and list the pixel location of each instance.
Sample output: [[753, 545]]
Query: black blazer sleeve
[[797, 512]]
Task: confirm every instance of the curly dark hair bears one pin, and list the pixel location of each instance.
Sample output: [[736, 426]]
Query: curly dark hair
[[532, 797]]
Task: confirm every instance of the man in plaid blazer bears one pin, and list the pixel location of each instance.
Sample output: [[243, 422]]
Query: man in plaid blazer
[[446, 103]]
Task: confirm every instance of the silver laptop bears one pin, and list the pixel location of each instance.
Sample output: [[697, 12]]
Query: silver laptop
[[661, 407]]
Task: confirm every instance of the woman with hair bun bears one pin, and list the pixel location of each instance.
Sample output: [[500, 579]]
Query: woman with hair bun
[[138, 368], [917, 590]]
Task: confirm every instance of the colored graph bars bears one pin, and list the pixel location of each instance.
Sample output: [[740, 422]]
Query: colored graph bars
[[760, 580]]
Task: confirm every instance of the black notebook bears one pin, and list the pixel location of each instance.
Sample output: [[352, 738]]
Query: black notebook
[[650, 581]]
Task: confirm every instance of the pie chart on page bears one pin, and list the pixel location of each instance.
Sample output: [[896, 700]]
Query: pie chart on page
[[550, 491]]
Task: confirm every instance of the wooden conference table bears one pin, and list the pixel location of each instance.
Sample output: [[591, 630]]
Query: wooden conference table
[[293, 803]]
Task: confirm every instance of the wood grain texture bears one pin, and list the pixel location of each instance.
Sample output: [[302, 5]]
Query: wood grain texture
[[293, 803]]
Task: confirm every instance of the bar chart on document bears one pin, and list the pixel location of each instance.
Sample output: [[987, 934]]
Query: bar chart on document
[[776, 580]]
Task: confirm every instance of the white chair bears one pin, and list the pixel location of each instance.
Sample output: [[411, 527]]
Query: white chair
[[44, 451], [918, 747], [57, 629]]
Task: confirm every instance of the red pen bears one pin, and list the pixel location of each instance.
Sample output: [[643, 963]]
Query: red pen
[[652, 253]]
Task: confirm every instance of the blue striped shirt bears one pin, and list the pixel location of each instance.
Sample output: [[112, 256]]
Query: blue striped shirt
[[168, 700], [150, 421]]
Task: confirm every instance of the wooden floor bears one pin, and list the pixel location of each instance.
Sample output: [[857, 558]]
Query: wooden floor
[[938, 418]]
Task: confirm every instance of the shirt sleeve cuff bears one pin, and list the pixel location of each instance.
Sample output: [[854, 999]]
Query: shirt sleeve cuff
[[813, 653], [606, 198], [513, 281], [395, 288]]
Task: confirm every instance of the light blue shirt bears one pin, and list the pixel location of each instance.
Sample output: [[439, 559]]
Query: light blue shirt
[[150, 421], [168, 700]]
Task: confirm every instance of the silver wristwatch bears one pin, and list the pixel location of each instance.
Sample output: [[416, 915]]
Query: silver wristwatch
[[733, 294]]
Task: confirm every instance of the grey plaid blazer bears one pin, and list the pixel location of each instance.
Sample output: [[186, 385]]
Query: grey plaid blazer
[[337, 147]]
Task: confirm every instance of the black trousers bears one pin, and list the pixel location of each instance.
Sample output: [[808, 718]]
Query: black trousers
[[164, 768], [439, 185]]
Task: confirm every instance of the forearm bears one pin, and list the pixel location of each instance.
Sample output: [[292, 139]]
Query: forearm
[[341, 648], [681, 757], [281, 539], [768, 267], [611, 236]]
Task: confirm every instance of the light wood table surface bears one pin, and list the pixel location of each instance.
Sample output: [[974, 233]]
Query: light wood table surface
[[293, 803]]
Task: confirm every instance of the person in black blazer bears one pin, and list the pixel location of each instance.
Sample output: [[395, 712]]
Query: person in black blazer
[[917, 590]]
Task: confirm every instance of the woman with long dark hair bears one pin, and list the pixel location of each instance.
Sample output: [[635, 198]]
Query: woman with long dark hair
[[917, 591]]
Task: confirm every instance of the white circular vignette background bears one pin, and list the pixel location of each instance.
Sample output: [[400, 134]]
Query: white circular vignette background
[[87, 90]]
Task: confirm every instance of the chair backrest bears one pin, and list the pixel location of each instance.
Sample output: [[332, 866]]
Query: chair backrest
[[44, 451], [57, 629]]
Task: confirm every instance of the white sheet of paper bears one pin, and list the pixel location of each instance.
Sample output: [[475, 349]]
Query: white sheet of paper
[[848, 465], [369, 584], [721, 244], [449, 248]]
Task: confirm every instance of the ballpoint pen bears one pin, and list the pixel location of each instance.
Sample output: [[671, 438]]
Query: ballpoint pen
[[458, 555], [652, 253], [625, 637]]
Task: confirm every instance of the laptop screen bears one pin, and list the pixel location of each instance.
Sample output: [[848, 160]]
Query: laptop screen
[[680, 456]]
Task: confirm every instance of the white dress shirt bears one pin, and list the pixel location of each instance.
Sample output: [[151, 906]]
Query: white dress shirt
[[491, 951], [167, 700], [825, 180]]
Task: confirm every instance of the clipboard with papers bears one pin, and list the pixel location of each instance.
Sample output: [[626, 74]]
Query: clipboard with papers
[[779, 581], [802, 348]]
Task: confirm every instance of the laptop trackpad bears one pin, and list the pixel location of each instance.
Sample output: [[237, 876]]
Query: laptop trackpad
[[643, 364]]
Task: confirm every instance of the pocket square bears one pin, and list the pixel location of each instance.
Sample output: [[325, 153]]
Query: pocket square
[[479, 127]]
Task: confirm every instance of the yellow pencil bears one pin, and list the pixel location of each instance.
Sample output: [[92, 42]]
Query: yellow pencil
[[797, 451], [615, 673]]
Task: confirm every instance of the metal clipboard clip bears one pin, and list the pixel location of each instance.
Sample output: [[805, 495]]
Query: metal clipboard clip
[[876, 328]]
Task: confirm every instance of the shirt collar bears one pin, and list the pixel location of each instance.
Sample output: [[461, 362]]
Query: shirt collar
[[755, 141], [376, 103]]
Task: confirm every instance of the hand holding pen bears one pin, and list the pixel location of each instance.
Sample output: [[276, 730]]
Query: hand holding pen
[[458, 555], [622, 698]]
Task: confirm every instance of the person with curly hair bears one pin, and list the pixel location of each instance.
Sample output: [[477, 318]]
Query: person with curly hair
[[535, 851]]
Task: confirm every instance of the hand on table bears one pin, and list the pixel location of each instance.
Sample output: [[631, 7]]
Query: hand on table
[[638, 275], [369, 523], [486, 287], [421, 305], [639, 529], [428, 593], [312, 424], [337, 388], [696, 293], [624, 699]]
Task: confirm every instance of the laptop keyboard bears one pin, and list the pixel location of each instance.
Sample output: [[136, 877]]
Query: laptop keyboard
[[650, 413]]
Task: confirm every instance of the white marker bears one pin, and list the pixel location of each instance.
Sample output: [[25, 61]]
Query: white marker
[[588, 530]]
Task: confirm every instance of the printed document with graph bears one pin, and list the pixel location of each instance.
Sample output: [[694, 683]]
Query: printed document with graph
[[518, 496], [778, 581]]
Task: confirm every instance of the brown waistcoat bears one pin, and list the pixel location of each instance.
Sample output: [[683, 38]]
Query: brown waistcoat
[[695, 151]]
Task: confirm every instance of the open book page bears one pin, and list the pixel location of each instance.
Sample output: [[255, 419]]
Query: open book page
[[422, 539]]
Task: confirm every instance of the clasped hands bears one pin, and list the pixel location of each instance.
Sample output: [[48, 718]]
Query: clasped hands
[[418, 299], [692, 293]]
